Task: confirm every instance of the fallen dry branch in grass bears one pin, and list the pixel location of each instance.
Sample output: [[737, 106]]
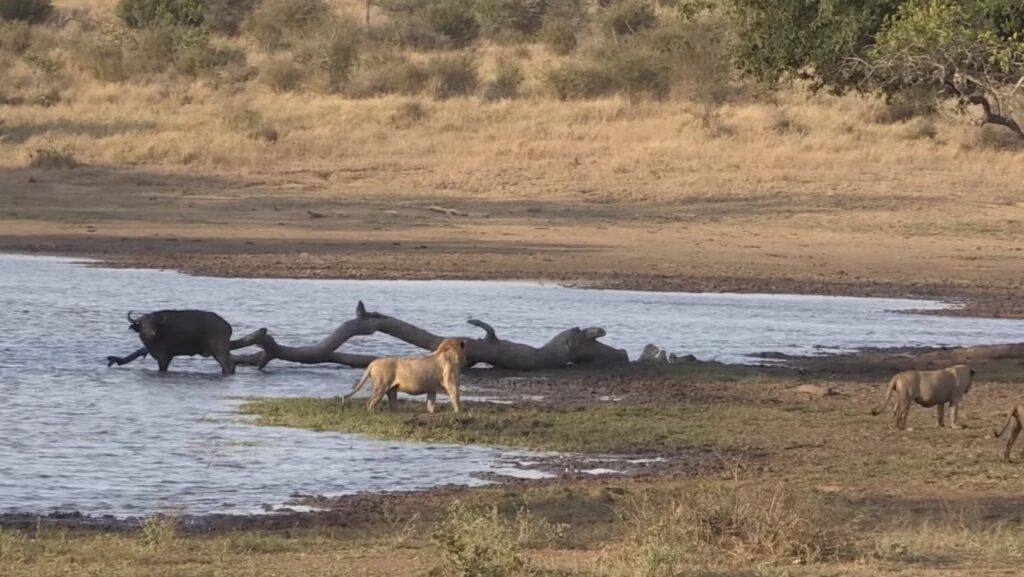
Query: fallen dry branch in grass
[[573, 346]]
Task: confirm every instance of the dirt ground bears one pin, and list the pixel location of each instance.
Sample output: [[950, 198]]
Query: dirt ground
[[301, 225]]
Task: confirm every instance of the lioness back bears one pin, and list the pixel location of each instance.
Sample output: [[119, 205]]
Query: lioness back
[[418, 375], [940, 386]]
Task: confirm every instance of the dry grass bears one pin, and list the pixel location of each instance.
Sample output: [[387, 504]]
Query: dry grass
[[534, 146]]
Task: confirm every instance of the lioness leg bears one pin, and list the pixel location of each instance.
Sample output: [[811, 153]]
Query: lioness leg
[[431, 401], [902, 412], [956, 415], [1014, 431], [376, 396], [941, 409], [393, 398]]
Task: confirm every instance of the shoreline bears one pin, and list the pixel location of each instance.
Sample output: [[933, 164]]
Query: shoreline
[[986, 302]]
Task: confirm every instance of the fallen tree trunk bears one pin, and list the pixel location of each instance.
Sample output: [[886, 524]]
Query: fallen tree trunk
[[570, 347]]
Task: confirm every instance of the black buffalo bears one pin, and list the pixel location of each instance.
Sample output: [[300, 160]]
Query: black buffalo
[[168, 334]]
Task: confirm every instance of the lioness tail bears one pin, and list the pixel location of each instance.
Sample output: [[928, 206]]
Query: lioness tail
[[1009, 419], [885, 397], [358, 385]]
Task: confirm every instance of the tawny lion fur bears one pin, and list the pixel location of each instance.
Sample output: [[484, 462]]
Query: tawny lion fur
[[1013, 422], [928, 389], [437, 372]]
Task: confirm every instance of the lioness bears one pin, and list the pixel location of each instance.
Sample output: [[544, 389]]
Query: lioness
[[1012, 418], [438, 371], [928, 389]]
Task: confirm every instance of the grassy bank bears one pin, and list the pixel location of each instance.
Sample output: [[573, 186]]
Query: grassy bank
[[593, 428]]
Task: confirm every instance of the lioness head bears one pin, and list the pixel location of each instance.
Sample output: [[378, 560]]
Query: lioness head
[[454, 348]]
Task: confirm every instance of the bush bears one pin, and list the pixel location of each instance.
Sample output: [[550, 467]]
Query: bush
[[629, 17], [193, 53], [274, 21], [408, 32], [282, 74], [408, 114], [559, 34], [338, 54], [480, 542], [514, 18], [388, 75], [641, 72], [104, 58], [505, 85], [15, 37], [226, 16], [580, 80], [452, 76], [252, 124], [147, 13], [453, 19], [32, 11], [748, 523]]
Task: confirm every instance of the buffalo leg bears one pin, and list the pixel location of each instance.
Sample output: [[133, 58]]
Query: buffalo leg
[[111, 361], [163, 361], [223, 356], [393, 399]]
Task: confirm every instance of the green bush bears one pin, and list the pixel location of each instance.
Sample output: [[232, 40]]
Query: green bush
[[452, 76], [147, 13], [580, 80], [226, 16], [104, 58], [277, 24], [282, 74], [505, 85], [194, 54], [32, 11], [453, 19], [15, 37], [559, 34], [514, 18], [629, 17]]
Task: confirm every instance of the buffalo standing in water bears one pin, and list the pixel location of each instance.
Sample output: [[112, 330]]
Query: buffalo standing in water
[[168, 334]]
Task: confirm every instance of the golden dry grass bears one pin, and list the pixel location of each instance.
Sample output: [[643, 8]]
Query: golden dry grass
[[607, 150]]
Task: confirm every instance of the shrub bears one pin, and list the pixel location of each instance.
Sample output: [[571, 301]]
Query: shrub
[[559, 34], [32, 11], [454, 19], [388, 75], [146, 13], [104, 58], [629, 17], [747, 523], [193, 53], [15, 37], [153, 50], [226, 16], [580, 80], [641, 72], [408, 114], [337, 55], [282, 74], [505, 85], [452, 76], [274, 21], [480, 542], [511, 17], [408, 32]]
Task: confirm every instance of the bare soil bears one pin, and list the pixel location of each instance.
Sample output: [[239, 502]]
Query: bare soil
[[298, 226]]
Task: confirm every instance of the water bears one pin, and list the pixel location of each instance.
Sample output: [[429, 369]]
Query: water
[[76, 435]]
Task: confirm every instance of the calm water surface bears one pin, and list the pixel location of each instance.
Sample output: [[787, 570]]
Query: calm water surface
[[76, 435]]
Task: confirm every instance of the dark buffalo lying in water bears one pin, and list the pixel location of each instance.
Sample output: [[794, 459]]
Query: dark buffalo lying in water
[[167, 334]]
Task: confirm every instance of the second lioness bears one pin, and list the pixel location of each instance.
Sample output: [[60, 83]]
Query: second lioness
[[438, 371], [928, 389]]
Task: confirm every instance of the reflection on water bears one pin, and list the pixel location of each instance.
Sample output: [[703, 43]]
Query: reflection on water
[[75, 435]]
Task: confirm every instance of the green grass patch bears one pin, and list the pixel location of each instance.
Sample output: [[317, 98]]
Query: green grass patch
[[602, 428]]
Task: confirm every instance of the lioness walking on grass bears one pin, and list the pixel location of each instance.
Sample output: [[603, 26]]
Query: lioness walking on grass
[[438, 371], [928, 389]]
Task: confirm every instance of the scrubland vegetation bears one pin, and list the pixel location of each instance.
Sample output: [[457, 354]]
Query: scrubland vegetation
[[545, 94]]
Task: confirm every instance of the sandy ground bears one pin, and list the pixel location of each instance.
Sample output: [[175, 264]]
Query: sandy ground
[[301, 226]]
